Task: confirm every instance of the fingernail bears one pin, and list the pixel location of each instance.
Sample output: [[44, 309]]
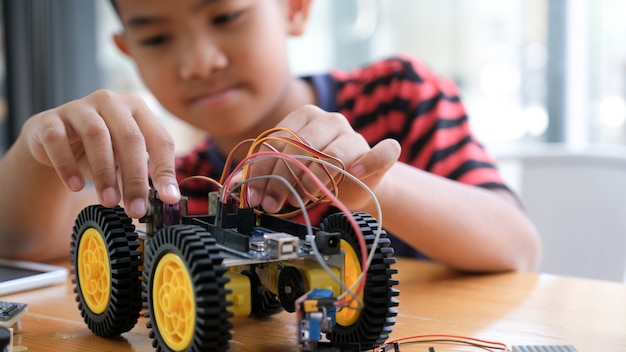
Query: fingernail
[[172, 191], [253, 197], [270, 205], [137, 207], [74, 183], [357, 171], [109, 196]]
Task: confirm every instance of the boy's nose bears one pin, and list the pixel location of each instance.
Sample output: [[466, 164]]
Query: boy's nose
[[200, 58]]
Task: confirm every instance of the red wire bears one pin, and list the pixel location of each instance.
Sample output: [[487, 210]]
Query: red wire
[[323, 188]]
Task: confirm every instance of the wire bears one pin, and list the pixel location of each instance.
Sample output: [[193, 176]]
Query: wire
[[363, 249], [479, 343], [310, 236], [329, 194], [200, 178], [379, 212], [301, 144]]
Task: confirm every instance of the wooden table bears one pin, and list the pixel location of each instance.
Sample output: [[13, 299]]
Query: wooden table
[[514, 308]]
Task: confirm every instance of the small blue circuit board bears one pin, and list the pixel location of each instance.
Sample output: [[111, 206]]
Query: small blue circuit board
[[10, 312]]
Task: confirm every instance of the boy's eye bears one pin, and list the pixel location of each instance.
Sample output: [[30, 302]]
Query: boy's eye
[[156, 40], [226, 18]]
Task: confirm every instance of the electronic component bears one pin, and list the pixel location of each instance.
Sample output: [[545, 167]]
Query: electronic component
[[273, 245], [395, 347], [316, 315], [544, 348], [6, 336], [281, 245], [328, 243], [236, 260], [10, 313]]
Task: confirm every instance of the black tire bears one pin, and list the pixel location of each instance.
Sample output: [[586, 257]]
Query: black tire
[[190, 254], [104, 254], [373, 324]]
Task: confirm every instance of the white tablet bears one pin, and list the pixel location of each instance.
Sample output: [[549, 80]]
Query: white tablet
[[18, 276]]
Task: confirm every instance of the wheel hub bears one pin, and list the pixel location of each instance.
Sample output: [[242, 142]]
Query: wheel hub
[[93, 271]]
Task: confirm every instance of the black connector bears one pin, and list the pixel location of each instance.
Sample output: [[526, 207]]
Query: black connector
[[328, 243], [5, 339], [394, 346]]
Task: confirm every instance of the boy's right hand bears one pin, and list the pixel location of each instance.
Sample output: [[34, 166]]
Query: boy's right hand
[[106, 137]]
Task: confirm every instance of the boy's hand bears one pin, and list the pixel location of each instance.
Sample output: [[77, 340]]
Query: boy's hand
[[331, 134], [107, 138]]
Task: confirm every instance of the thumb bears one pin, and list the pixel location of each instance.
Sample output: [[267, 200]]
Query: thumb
[[378, 160]]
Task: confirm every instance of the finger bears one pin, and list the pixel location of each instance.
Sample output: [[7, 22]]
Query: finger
[[289, 171], [339, 145], [276, 191], [260, 166], [129, 147], [320, 129], [161, 150], [93, 134], [312, 125], [257, 189], [379, 159], [323, 176], [52, 147]]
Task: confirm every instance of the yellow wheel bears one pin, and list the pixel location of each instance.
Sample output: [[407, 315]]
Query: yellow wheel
[[93, 269], [371, 326], [352, 269], [185, 291], [174, 303], [105, 263]]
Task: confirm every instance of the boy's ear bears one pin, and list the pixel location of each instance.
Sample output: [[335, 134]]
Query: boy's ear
[[120, 42], [297, 15]]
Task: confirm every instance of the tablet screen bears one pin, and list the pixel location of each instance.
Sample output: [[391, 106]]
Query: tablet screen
[[10, 273], [18, 276]]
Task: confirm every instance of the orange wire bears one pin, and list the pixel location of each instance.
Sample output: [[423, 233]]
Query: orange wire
[[200, 178], [300, 143], [229, 159], [329, 194], [448, 338], [333, 198]]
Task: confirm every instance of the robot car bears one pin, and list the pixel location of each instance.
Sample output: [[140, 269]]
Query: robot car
[[190, 274]]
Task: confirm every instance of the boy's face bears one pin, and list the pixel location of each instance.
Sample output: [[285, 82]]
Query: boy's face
[[221, 65]]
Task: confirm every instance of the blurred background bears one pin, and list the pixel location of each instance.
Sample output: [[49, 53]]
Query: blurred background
[[544, 82], [529, 70]]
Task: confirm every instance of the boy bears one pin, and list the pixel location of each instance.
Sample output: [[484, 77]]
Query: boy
[[221, 65]]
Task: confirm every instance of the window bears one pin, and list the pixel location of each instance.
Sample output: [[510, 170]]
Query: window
[[607, 72], [49, 56], [496, 51]]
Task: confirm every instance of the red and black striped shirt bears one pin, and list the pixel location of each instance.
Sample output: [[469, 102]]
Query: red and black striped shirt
[[399, 98]]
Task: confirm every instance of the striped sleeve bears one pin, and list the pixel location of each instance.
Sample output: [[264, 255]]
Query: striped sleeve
[[193, 164], [401, 98]]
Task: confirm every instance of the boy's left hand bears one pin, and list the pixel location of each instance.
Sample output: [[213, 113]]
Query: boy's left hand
[[331, 134]]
